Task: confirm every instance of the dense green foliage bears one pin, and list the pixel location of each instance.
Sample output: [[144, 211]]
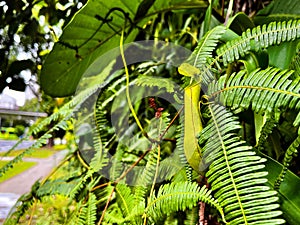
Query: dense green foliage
[[248, 116]]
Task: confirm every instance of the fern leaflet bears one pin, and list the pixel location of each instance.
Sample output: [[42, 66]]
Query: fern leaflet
[[235, 172], [259, 38], [290, 153], [88, 211], [260, 86], [179, 196]]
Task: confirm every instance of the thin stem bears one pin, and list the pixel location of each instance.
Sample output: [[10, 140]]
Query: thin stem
[[170, 124], [106, 206], [154, 179], [201, 213], [100, 186], [132, 166], [82, 161], [32, 212], [127, 86], [156, 171]]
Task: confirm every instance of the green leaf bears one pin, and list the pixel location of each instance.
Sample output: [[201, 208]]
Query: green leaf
[[236, 174], [278, 10], [156, 82], [179, 196], [240, 23], [94, 31], [205, 47], [259, 38], [125, 199], [288, 191], [255, 88], [295, 63], [281, 55], [89, 211]]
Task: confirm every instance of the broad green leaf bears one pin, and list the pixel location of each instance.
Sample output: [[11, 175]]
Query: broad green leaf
[[281, 55], [288, 191], [278, 10], [95, 30], [240, 23]]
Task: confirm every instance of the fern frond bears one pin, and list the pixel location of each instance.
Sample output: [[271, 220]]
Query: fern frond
[[88, 211], [235, 172], [297, 120], [268, 90], [101, 122], [117, 166], [125, 199], [81, 183], [206, 46], [43, 140], [290, 153], [191, 217], [179, 196], [266, 130], [251, 40], [125, 212], [100, 158], [180, 151], [62, 115], [146, 176], [203, 52], [57, 186], [158, 82], [259, 38], [114, 216], [102, 132], [179, 141]]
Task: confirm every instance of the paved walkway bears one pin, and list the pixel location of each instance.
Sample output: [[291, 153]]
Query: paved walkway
[[12, 188], [22, 183]]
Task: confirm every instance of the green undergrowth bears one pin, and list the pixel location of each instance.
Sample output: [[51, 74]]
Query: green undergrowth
[[55, 209]]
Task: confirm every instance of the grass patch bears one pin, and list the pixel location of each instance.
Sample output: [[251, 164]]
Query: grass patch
[[17, 169], [36, 153]]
